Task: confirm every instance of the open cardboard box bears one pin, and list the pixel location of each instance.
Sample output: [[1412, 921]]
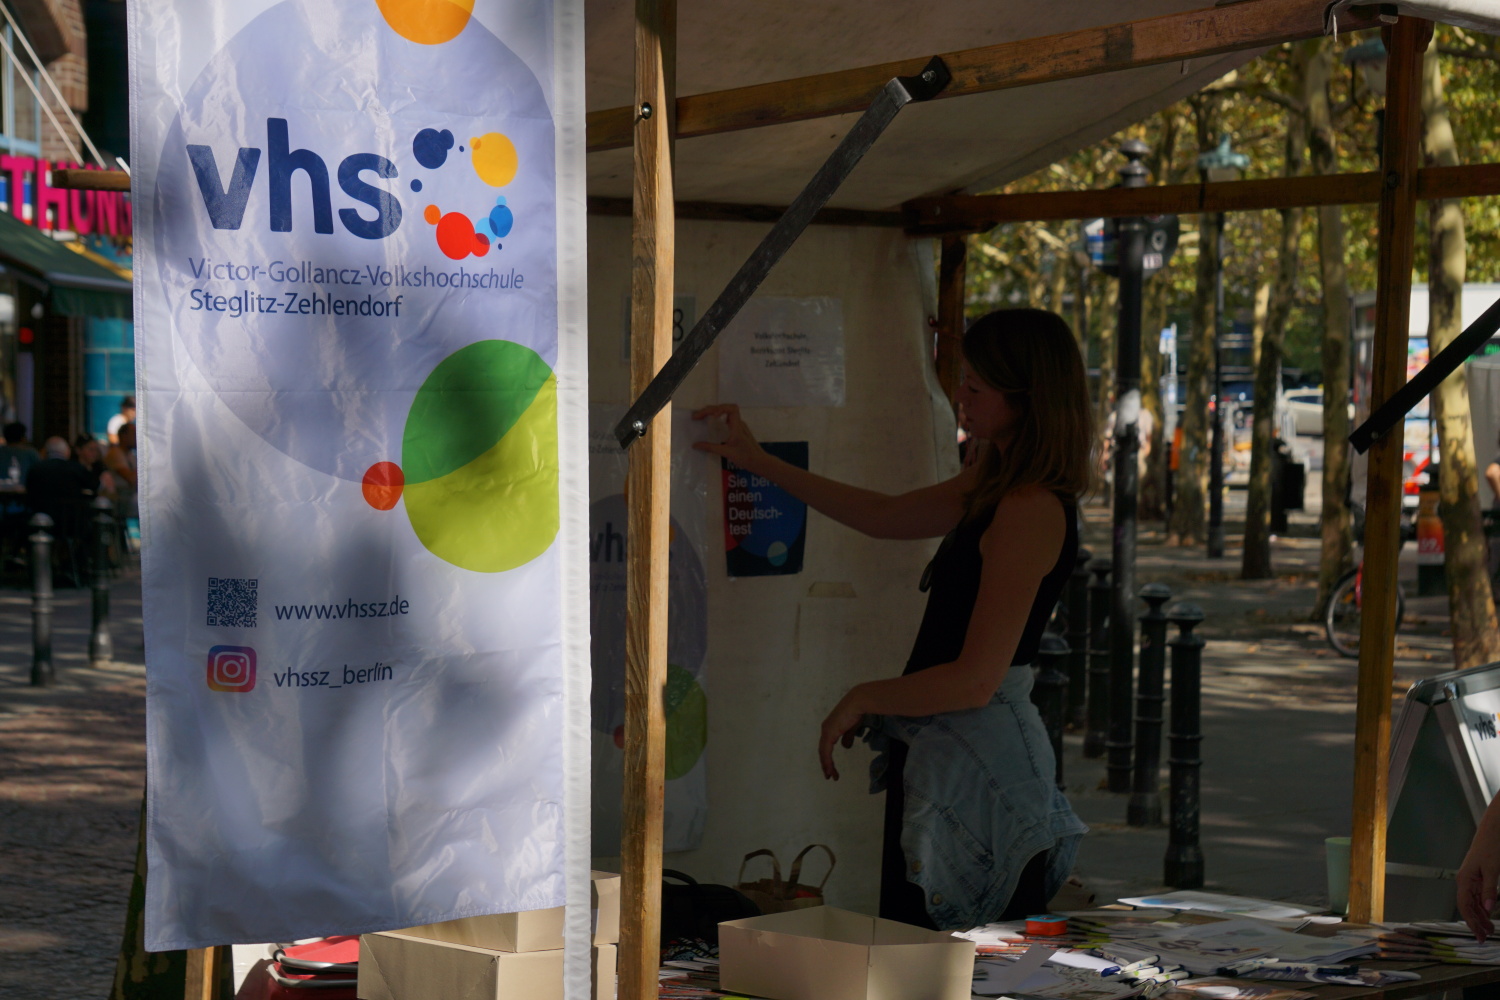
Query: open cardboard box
[[394, 965], [823, 953], [532, 930]]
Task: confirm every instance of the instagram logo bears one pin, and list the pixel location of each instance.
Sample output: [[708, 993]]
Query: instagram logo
[[231, 668]]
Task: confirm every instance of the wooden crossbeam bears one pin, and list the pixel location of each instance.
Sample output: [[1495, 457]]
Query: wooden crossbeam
[[1171, 38], [723, 211], [90, 180], [1377, 634], [977, 213]]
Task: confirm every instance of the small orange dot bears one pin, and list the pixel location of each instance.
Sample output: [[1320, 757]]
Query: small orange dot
[[382, 486], [431, 214]]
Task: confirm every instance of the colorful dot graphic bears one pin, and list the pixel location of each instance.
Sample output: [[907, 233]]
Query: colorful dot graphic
[[431, 146], [497, 224], [494, 159], [479, 459], [495, 163], [382, 485], [456, 236], [426, 22]]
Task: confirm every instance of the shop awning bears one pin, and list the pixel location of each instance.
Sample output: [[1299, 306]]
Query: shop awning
[[76, 285]]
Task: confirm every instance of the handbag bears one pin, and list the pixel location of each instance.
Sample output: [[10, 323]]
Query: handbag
[[694, 910], [773, 895]]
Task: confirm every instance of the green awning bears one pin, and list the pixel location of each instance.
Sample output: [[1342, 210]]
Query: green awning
[[77, 286]]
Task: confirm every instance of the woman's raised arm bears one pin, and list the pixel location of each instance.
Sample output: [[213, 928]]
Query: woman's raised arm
[[930, 512]]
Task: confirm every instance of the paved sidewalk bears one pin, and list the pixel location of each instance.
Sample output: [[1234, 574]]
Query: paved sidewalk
[[72, 768], [1278, 723]]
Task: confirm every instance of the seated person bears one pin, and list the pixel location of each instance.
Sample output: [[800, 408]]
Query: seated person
[[16, 458], [88, 455], [56, 486]]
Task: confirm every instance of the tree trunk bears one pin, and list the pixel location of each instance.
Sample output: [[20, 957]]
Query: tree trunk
[[1338, 536], [1256, 560], [1256, 563], [1154, 484], [1476, 639], [1189, 507], [1109, 319]]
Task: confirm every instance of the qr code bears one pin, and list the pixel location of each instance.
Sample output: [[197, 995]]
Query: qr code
[[232, 603]]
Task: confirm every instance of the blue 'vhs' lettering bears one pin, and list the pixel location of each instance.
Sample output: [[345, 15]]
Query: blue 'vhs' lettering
[[226, 203]]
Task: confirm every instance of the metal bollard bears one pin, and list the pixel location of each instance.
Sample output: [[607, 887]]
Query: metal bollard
[[1145, 799], [1098, 695], [1184, 861], [101, 649], [41, 602], [1077, 596], [1050, 693]]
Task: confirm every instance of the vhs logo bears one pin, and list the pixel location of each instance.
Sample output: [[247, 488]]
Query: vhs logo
[[231, 668]]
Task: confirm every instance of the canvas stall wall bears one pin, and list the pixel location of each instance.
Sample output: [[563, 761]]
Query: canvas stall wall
[[783, 649]]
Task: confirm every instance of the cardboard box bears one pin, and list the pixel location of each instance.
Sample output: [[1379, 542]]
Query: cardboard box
[[533, 930], [397, 966], [606, 964], [825, 953]]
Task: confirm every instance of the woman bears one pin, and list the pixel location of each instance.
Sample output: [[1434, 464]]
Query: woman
[[975, 829]]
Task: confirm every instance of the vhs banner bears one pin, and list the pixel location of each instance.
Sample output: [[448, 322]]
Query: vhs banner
[[363, 458]]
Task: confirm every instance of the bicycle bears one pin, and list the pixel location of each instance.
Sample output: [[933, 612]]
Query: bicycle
[[1341, 620]]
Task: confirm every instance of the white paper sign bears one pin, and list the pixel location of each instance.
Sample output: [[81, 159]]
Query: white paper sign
[[784, 352], [362, 463]]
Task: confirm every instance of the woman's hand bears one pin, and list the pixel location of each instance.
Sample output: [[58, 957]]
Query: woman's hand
[[739, 446], [839, 727], [1476, 884]]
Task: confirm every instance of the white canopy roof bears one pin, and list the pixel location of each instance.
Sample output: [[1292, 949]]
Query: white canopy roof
[[965, 144]]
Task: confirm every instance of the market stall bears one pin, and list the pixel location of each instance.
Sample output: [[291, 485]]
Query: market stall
[[856, 291]]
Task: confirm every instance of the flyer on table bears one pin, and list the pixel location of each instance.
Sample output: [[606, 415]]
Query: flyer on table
[[363, 453]]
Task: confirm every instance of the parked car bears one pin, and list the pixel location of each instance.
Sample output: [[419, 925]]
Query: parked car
[[1306, 407]]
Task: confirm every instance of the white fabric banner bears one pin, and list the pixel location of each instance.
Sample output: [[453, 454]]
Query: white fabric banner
[[363, 461]]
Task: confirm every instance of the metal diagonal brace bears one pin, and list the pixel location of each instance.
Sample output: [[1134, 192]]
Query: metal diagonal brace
[[1393, 410], [894, 96]]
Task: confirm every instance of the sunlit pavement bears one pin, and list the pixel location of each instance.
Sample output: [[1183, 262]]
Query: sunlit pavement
[[1278, 719], [72, 768]]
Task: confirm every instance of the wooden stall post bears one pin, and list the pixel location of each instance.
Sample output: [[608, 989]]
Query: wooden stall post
[[202, 974], [952, 267], [1405, 43], [649, 500]]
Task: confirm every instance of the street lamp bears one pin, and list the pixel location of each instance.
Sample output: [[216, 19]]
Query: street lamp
[[1370, 58], [1221, 164]]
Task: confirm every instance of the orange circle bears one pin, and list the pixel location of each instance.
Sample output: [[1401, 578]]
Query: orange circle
[[427, 22], [431, 214], [383, 484]]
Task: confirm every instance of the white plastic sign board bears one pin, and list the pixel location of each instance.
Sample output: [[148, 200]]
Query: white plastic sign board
[[359, 296]]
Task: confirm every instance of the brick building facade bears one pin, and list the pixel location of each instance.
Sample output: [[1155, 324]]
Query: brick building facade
[[63, 368]]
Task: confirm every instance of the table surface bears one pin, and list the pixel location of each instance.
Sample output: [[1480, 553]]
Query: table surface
[[1436, 977]]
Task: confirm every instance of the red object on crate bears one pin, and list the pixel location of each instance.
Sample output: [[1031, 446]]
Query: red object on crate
[[326, 969]]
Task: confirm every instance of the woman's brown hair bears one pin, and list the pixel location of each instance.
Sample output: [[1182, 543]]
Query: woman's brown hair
[[1032, 357]]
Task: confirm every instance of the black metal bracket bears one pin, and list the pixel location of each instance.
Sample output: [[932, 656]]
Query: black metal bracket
[[895, 95], [1395, 409]]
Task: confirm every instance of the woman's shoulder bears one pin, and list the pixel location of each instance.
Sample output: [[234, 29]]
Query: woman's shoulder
[[1033, 500]]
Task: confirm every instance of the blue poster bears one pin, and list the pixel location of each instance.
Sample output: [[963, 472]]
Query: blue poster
[[765, 527]]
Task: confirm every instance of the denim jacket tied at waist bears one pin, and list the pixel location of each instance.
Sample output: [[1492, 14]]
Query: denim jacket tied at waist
[[981, 801]]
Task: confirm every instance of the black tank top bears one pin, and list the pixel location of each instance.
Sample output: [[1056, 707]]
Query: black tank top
[[954, 586]]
